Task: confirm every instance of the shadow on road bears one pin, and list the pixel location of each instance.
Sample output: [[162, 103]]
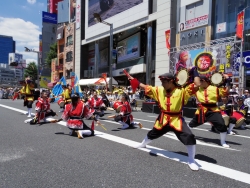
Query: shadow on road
[[215, 141]]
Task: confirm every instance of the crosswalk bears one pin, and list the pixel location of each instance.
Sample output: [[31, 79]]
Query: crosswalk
[[204, 165]]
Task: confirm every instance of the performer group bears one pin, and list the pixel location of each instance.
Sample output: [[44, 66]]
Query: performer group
[[171, 97]]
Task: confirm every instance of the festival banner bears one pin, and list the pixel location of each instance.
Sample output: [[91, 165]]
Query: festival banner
[[167, 35], [240, 24]]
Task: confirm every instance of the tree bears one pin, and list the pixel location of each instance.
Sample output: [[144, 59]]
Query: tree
[[31, 70], [51, 54]]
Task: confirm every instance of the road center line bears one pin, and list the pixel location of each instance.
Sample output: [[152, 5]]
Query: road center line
[[210, 167]]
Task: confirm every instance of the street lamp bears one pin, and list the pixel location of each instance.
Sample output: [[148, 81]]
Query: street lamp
[[38, 54], [98, 19]]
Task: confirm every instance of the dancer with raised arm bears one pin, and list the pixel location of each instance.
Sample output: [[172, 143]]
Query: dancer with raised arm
[[171, 100]]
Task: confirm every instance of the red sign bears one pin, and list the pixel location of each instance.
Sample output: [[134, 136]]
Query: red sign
[[240, 25], [167, 35]]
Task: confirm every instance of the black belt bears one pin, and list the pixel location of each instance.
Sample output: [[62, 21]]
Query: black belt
[[75, 117]]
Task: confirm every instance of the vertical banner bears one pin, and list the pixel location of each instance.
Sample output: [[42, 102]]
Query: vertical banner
[[40, 43], [72, 11], [167, 35], [78, 14], [240, 24], [72, 77]]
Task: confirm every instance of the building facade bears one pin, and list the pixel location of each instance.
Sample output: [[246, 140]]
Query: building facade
[[139, 40], [7, 45]]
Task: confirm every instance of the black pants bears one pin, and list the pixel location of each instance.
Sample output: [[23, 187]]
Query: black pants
[[185, 136], [213, 117], [120, 118], [28, 103]]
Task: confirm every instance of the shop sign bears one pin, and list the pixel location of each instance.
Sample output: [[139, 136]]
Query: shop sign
[[192, 36], [246, 58], [193, 23]]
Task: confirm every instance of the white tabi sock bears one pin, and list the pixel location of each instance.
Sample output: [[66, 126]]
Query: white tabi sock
[[135, 123], [29, 112], [124, 125], [191, 155], [145, 142], [80, 133], [223, 140], [230, 128]]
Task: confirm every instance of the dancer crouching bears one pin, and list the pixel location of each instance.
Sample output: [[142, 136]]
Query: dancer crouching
[[74, 114], [171, 100]]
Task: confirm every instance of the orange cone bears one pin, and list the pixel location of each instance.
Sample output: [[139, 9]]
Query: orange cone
[[93, 125]]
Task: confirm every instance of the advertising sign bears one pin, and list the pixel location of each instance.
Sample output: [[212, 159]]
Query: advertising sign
[[222, 27], [72, 11], [246, 58], [108, 8], [193, 23], [129, 48], [49, 18], [220, 58], [44, 81], [78, 14]]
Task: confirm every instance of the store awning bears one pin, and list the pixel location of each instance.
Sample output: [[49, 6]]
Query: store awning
[[85, 82]]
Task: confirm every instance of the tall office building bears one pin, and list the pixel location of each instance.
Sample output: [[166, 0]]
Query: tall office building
[[7, 45]]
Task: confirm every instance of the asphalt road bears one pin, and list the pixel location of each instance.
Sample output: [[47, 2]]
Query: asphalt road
[[46, 156]]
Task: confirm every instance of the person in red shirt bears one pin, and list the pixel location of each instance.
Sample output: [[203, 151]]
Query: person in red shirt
[[96, 104], [42, 110], [125, 117], [74, 114]]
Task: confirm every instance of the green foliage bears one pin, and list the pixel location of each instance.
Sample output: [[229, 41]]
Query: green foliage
[[31, 70], [51, 54]]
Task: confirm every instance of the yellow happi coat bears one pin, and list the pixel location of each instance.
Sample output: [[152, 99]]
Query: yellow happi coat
[[208, 99], [28, 91], [66, 95], [170, 104]]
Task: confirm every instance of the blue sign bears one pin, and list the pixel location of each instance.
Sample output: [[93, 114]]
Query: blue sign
[[246, 58], [49, 17]]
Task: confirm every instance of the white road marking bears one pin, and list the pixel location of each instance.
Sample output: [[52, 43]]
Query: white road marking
[[210, 167], [153, 116]]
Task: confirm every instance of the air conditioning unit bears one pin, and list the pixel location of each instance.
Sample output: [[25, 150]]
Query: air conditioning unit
[[86, 74]]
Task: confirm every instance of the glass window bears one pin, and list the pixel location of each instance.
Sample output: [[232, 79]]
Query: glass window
[[69, 56], [226, 11], [69, 40]]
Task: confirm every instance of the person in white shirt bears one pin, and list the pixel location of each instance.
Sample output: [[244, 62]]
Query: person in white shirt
[[110, 98]]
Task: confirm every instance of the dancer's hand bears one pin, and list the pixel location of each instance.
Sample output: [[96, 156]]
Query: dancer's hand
[[98, 123]]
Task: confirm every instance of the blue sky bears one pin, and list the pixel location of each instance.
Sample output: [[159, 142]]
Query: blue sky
[[22, 19]]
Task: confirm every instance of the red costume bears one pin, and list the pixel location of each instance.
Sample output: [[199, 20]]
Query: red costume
[[42, 108], [73, 116], [126, 111], [95, 103]]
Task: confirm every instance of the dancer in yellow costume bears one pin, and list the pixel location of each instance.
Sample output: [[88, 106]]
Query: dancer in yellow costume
[[208, 111], [66, 96], [171, 100], [28, 92]]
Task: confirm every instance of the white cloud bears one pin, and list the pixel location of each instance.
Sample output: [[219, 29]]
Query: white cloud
[[28, 61], [31, 1], [23, 32]]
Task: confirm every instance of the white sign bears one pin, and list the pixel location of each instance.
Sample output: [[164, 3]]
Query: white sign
[[222, 27], [78, 14], [193, 23]]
